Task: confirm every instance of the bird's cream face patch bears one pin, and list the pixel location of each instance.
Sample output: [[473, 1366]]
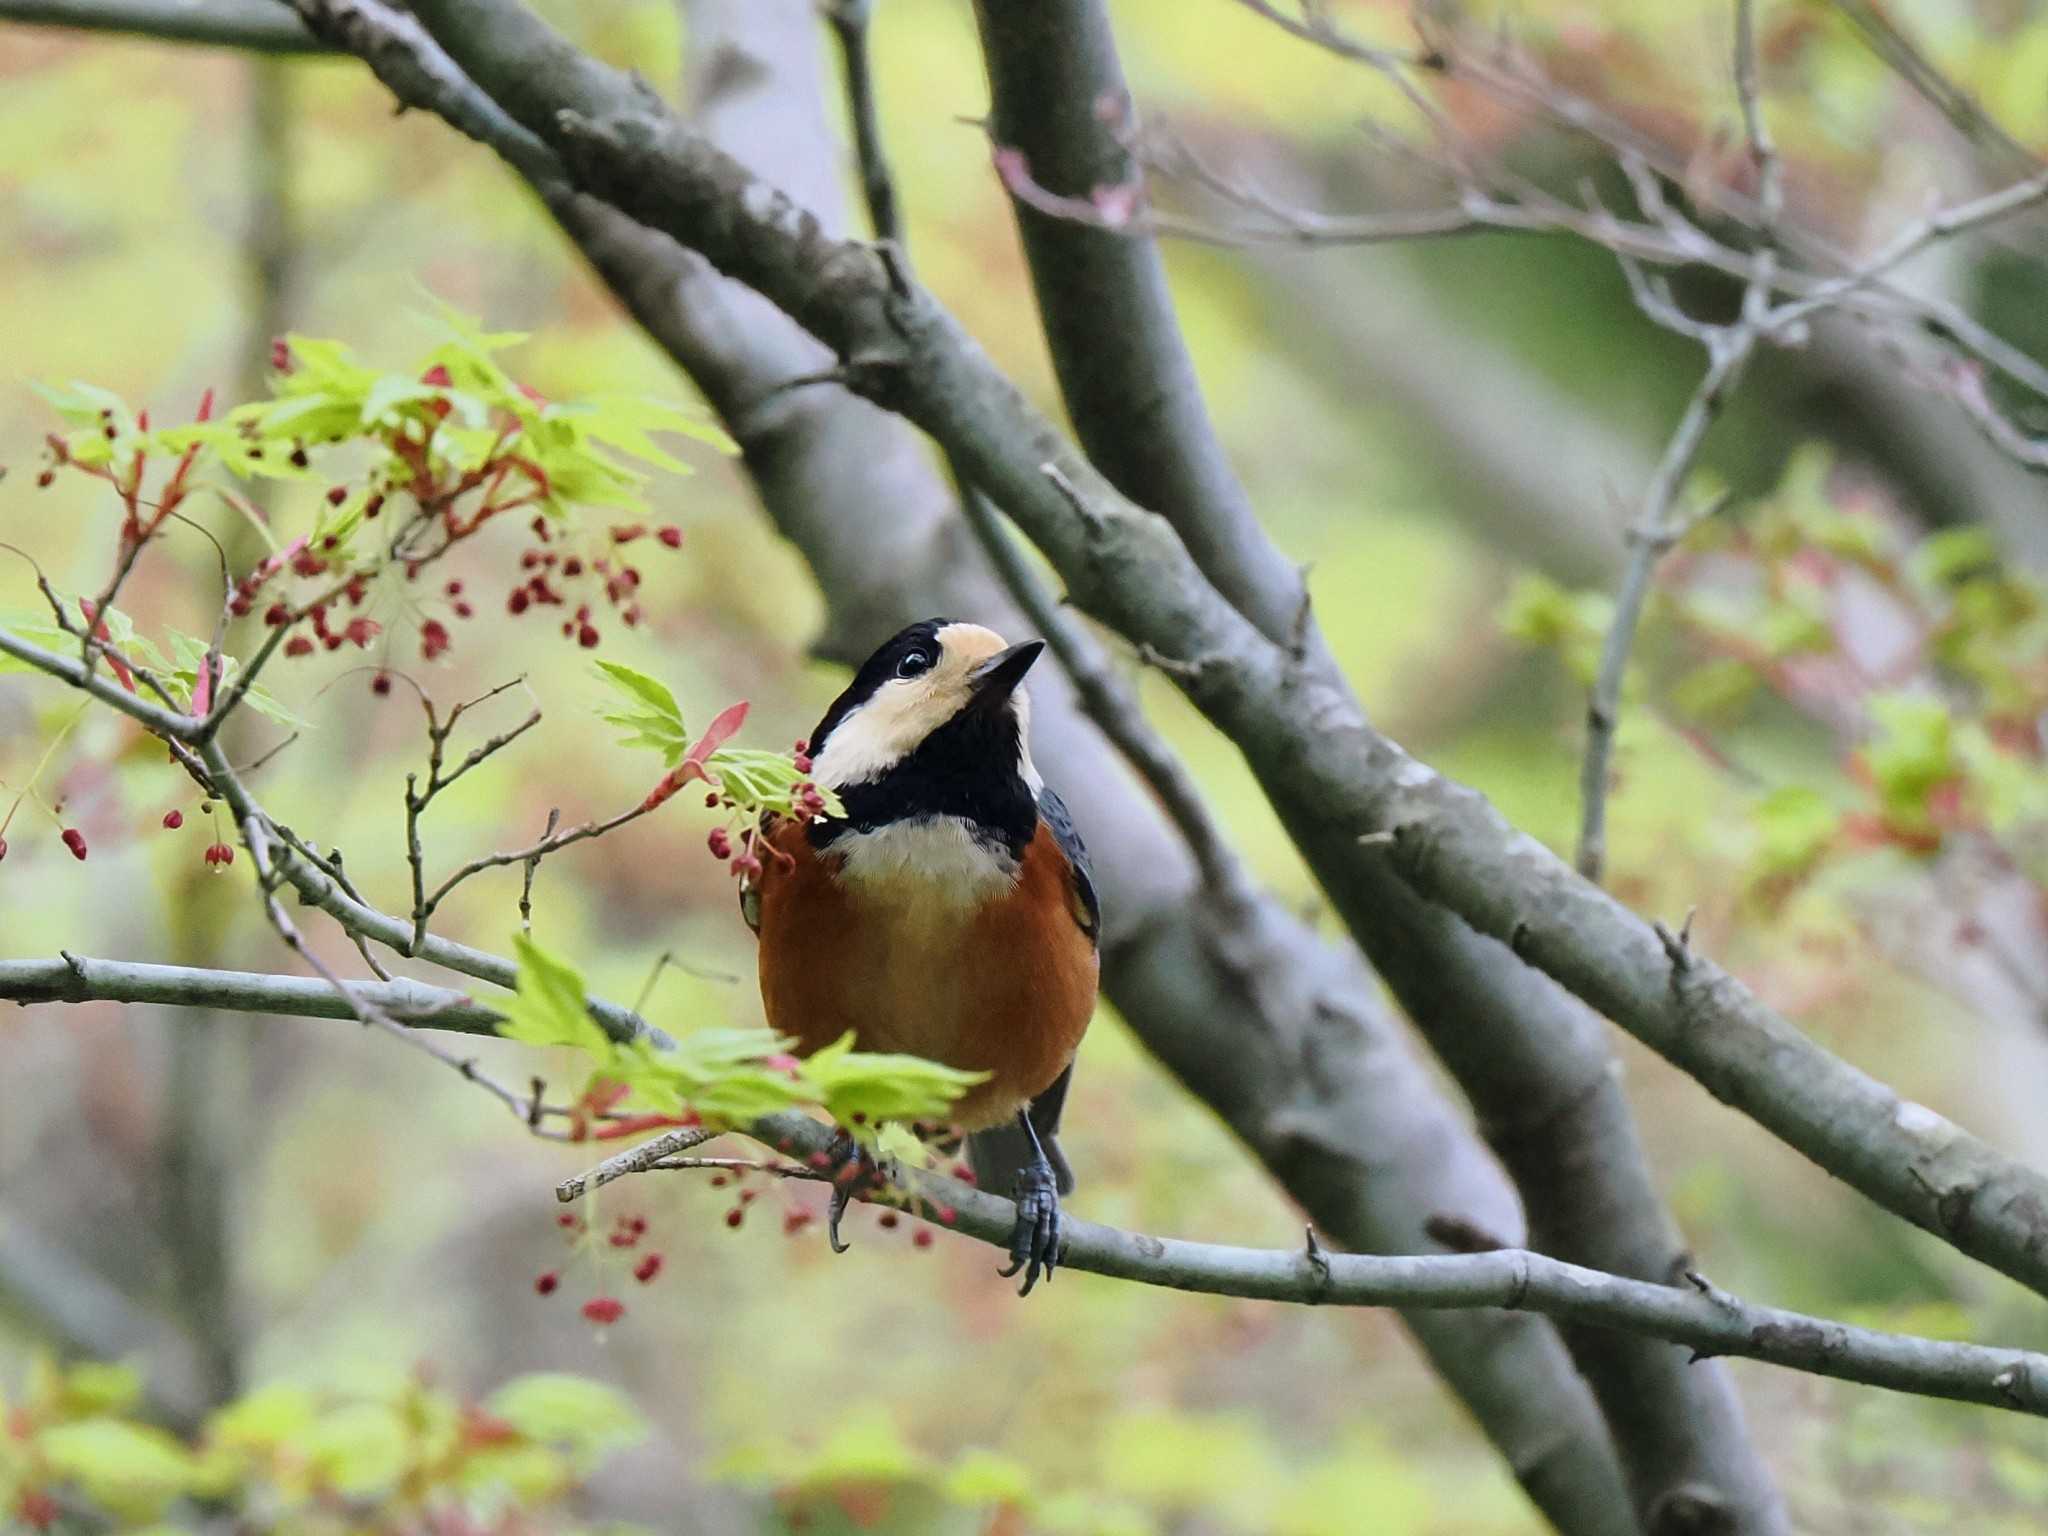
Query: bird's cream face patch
[[903, 711]]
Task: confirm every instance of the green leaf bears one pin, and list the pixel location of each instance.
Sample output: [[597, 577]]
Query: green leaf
[[1913, 752], [1716, 689], [93, 1387], [868, 1447], [548, 1006], [515, 1475], [130, 1467], [586, 1418], [264, 1419], [883, 1086], [1955, 554], [1795, 827], [983, 1477], [655, 720], [358, 1449], [190, 653]]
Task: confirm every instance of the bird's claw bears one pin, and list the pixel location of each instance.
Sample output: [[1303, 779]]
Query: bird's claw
[[854, 1172], [1035, 1239]]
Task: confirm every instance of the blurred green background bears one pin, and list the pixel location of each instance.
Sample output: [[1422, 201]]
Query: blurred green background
[[1418, 425]]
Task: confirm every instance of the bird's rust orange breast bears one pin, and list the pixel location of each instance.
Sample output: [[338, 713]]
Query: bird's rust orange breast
[[1002, 981]]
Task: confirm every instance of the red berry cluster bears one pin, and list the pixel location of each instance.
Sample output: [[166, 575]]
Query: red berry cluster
[[556, 576], [627, 1233]]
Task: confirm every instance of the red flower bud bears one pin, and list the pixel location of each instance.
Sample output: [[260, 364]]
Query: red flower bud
[[75, 841], [721, 843], [276, 614], [544, 1285], [586, 637], [3, 847], [735, 1216], [173, 820], [46, 478], [380, 685], [336, 495], [299, 645], [281, 355], [647, 1268], [604, 1310], [922, 1237], [464, 611], [672, 536], [434, 638]]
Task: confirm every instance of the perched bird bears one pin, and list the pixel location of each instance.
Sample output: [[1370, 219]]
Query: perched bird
[[949, 912]]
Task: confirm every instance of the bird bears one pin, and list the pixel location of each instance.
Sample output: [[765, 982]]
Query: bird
[[948, 913]]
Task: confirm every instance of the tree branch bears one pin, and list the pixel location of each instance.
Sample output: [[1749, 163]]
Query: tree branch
[[260, 26], [1705, 1319], [78, 979]]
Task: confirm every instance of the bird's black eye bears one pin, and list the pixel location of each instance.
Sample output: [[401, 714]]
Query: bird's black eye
[[913, 663]]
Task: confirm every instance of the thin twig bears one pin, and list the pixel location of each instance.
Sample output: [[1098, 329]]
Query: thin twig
[[850, 21], [633, 1160], [1660, 523]]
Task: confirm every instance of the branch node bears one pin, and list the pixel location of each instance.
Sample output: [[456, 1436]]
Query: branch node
[[1677, 946], [1064, 484], [1319, 1266]]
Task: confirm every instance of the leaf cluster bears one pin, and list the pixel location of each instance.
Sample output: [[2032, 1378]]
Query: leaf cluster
[[724, 1077], [290, 1459]]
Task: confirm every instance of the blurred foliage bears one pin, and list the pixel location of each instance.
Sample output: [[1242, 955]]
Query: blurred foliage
[[79, 1453], [383, 1214]]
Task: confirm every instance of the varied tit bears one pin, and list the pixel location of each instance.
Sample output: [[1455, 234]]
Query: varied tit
[[948, 913]]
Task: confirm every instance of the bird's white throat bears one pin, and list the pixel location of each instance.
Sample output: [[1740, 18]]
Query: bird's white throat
[[927, 862]]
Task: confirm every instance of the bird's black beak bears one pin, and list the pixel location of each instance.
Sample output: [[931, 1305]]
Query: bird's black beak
[[997, 678]]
